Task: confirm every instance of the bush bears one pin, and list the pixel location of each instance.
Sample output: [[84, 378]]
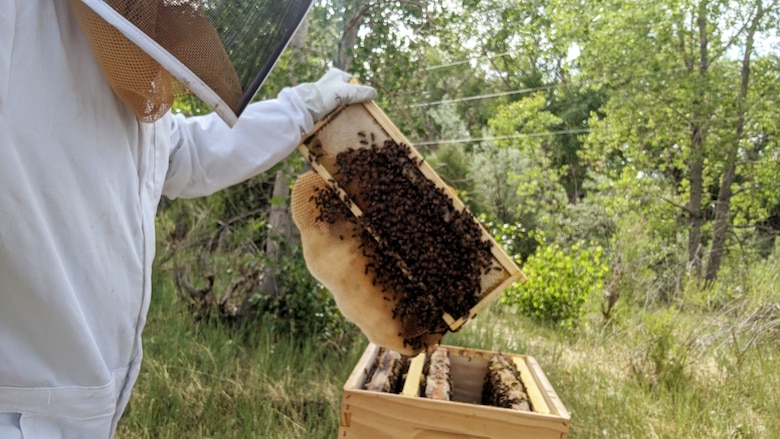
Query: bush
[[559, 283], [666, 352], [515, 239], [589, 222], [303, 307]]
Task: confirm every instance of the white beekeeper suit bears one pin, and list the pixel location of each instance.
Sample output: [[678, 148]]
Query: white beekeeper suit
[[80, 180]]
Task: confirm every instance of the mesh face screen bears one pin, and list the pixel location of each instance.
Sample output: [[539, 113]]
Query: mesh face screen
[[229, 45]]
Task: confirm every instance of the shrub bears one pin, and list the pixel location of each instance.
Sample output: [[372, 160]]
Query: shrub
[[586, 221], [514, 238], [666, 352], [559, 283], [303, 307]]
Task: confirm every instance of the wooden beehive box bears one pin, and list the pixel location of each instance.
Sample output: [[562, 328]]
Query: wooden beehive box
[[356, 126], [368, 414]]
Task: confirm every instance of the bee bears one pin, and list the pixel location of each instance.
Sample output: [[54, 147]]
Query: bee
[[413, 226]]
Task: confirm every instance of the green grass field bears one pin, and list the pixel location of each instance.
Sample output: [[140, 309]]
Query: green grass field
[[687, 370]]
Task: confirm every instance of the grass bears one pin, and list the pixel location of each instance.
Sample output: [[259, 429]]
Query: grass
[[207, 380], [690, 370]]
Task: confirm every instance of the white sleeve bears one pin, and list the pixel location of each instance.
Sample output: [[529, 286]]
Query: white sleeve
[[207, 155]]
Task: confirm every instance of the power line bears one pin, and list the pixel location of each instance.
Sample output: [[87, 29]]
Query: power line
[[525, 135], [485, 96], [467, 60], [511, 136], [530, 90]]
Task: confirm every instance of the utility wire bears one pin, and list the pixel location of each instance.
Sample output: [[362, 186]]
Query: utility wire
[[467, 60], [524, 135], [485, 96], [511, 136], [528, 90]]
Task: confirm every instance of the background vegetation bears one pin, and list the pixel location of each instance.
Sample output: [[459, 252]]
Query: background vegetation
[[625, 153]]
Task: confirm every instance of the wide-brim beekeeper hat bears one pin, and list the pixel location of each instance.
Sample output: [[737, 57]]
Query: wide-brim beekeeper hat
[[220, 50]]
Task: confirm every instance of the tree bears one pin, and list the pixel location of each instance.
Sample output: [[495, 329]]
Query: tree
[[525, 125], [757, 19], [530, 49], [676, 101]]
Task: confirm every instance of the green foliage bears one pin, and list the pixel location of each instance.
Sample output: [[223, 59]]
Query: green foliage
[[514, 181], [513, 238], [537, 183], [495, 186], [303, 307], [560, 282], [586, 222], [190, 105], [455, 168], [664, 356], [672, 127]]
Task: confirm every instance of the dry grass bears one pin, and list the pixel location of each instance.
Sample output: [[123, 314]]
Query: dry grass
[[684, 372]]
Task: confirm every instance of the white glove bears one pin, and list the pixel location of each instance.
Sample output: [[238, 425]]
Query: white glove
[[331, 91]]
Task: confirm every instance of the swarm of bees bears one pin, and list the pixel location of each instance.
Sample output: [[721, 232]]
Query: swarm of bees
[[503, 387], [387, 371], [426, 255]]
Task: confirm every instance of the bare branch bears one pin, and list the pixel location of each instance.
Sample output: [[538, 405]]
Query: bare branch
[[679, 206], [759, 14]]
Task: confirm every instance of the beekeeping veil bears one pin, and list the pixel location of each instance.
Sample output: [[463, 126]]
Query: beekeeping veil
[[221, 50]]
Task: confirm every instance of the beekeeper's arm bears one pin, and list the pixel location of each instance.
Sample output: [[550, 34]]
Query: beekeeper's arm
[[207, 155]]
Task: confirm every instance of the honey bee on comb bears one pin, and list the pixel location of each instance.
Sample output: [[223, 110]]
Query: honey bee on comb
[[438, 377], [438, 248], [344, 256], [503, 386], [386, 375], [417, 249]]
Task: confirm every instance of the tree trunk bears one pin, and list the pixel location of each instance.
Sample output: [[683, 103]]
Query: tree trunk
[[696, 164], [695, 216], [723, 205], [298, 48], [353, 18], [280, 230]]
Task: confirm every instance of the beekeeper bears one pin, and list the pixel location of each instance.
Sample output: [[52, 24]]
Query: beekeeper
[[87, 148]]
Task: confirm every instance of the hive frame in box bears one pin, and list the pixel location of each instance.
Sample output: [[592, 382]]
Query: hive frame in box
[[371, 111], [385, 415]]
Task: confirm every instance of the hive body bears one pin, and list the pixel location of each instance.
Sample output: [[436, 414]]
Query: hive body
[[371, 414]]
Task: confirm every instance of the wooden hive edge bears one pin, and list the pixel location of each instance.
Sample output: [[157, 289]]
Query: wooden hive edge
[[538, 401], [549, 393], [362, 368], [368, 414]]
